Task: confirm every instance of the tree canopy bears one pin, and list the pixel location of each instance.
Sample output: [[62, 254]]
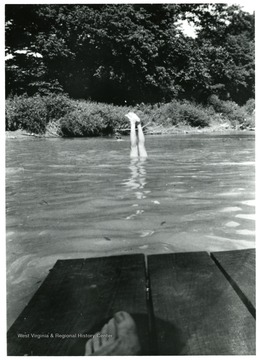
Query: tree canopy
[[130, 52]]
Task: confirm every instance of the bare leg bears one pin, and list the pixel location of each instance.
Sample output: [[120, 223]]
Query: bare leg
[[141, 142], [137, 146], [133, 140]]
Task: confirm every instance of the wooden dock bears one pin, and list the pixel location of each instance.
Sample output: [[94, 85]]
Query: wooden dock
[[183, 304]]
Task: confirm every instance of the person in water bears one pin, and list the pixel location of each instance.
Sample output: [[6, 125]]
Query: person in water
[[117, 337], [117, 135], [137, 142]]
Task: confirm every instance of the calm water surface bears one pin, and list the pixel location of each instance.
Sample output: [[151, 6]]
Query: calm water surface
[[78, 198]]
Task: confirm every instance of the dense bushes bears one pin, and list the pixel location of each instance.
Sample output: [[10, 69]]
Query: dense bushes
[[175, 113], [188, 113], [57, 106], [83, 118], [26, 113], [228, 108], [33, 113], [237, 115], [92, 119]]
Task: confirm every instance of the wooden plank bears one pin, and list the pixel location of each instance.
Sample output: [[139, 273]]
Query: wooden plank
[[239, 268], [196, 310], [77, 298]]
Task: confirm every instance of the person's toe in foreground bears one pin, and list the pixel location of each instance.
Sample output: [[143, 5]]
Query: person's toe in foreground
[[117, 337]]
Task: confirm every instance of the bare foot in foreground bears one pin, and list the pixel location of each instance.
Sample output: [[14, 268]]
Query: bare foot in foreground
[[117, 337]]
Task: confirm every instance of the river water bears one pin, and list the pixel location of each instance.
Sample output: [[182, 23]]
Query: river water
[[79, 198]]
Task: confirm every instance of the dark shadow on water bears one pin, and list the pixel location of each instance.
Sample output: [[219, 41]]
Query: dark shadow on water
[[169, 335]]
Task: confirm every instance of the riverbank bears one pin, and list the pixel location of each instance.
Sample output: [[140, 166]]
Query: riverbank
[[60, 116], [152, 130]]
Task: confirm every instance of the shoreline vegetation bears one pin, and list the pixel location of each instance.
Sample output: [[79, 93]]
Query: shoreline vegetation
[[57, 115]]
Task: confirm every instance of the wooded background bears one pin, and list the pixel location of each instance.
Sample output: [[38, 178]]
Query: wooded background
[[130, 53]]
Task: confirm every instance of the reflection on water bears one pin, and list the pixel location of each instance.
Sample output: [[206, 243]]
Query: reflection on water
[[136, 183], [137, 180], [79, 198]]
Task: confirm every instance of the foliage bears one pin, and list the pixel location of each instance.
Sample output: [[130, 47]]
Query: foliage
[[26, 113], [34, 113], [249, 107], [97, 119], [249, 110], [226, 36], [182, 112], [92, 119], [67, 117], [130, 53], [193, 115], [229, 109], [57, 106]]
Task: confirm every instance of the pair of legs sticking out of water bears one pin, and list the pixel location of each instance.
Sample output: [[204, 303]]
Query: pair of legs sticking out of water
[[119, 335], [137, 138]]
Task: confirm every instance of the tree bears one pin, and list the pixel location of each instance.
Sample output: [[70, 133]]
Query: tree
[[226, 38], [104, 52], [133, 52]]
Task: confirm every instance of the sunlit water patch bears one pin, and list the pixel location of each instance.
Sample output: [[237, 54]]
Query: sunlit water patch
[[80, 198]]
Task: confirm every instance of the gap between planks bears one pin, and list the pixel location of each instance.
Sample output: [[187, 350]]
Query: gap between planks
[[236, 288], [149, 302]]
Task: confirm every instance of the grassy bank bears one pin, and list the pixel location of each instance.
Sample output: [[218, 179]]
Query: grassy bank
[[58, 115]]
